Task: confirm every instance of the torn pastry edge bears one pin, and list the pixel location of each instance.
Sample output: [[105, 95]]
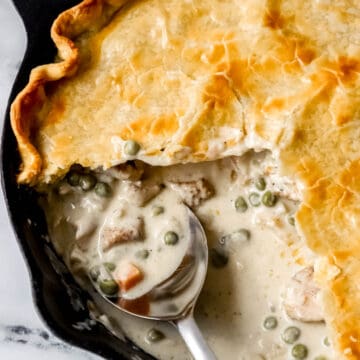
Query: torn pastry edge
[[67, 26]]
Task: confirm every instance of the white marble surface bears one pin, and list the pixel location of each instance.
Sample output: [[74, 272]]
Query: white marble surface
[[22, 332]]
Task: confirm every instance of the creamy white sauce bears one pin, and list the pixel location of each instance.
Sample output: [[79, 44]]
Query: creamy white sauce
[[236, 298]]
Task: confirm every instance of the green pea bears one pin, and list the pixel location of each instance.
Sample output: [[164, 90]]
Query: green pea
[[241, 204], [260, 184], [291, 220], [299, 351], [269, 199], [326, 341], [219, 258], [157, 210], [142, 254], [171, 238], [94, 273], [254, 199], [320, 357], [87, 182], [270, 323], [109, 266], [291, 334], [131, 147], [103, 189], [154, 335], [109, 287], [73, 178]]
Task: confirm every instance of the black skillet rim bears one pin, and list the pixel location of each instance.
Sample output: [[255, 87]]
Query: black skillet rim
[[50, 285]]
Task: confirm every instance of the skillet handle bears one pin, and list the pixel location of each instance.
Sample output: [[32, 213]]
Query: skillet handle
[[193, 338]]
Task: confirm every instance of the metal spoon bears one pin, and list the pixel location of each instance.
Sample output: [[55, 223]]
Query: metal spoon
[[174, 299]]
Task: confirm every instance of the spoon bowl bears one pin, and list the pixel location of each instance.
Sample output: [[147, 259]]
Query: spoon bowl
[[174, 299]]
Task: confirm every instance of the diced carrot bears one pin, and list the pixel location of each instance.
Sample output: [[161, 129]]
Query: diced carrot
[[127, 275], [139, 306]]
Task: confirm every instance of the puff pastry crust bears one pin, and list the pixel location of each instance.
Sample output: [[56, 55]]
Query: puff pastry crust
[[204, 79]]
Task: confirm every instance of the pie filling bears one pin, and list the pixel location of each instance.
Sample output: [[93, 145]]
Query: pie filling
[[127, 229]]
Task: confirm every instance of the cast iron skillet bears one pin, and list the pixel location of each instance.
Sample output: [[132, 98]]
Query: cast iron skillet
[[60, 301]]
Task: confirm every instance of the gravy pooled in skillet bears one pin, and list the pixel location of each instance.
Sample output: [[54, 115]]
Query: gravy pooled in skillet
[[127, 228]]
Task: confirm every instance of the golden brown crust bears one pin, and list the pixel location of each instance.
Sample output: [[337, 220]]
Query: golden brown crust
[[210, 80], [68, 25]]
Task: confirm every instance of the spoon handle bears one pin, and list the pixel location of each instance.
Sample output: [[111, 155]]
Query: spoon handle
[[194, 340]]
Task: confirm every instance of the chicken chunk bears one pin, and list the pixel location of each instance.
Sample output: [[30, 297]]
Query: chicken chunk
[[301, 300], [141, 192], [193, 193], [131, 171], [133, 230]]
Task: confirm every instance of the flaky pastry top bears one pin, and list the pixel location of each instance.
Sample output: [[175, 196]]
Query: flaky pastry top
[[200, 80]]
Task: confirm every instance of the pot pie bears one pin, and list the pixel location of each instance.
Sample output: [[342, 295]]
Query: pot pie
[[246, 111]]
